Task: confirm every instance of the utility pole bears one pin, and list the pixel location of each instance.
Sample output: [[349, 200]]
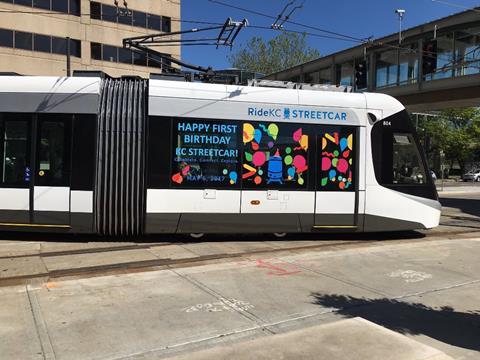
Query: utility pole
[[68, 57], [401, 14]]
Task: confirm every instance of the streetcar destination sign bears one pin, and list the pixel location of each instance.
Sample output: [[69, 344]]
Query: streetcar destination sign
[[287, 113]]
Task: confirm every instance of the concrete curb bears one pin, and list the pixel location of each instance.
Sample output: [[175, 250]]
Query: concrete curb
[[354, 338]]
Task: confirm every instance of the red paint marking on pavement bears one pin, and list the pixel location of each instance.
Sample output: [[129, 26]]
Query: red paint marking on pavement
[[277, 270]]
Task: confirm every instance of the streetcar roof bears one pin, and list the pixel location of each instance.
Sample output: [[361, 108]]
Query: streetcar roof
[[80, 94]]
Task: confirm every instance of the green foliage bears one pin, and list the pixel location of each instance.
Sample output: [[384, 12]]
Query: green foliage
[[456, 132], [282, 52]]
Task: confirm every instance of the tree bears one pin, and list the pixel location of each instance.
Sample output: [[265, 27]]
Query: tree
[[456, 132], [283, 51]]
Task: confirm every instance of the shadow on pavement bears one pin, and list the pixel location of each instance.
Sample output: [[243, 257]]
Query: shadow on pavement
[[443, 324], [467, 206], [185, 238]]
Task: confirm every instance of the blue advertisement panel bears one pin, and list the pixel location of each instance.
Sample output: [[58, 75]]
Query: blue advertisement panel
[[205, 153]]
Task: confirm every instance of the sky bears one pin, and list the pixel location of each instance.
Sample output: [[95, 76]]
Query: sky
[[355, 18]]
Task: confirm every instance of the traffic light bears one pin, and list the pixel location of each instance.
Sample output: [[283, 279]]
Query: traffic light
[[429, 57], [361, 75]]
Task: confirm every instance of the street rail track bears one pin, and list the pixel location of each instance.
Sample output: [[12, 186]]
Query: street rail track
[[162, 263]]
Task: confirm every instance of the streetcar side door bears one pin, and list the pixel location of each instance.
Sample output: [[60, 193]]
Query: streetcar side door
[[51, 173], [336, 198]]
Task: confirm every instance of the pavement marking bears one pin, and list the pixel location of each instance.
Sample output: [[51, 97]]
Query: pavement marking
[[245, 313], [279, 269], [316, 272], [230, 305], [435, 290], [40, 325], [410, 276]]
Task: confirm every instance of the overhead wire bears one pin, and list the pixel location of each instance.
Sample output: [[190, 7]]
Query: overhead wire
[[254, 12], [456, 5]]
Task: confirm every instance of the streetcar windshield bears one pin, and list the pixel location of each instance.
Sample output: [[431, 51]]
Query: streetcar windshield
[[398, 158], [407, 165]]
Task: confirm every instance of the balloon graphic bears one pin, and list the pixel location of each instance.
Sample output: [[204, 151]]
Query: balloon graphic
[[342, 165], [273, 131], [288, 160], [304, 142], [331, 174], [343, 144], [257, 180], [270, 144], [291, 172], [259, 158], [300, 163], [177, 178], [248, 131], [326, 163], [233, 177], [297, 135], [257, 135], [185, 170], [350, 141]]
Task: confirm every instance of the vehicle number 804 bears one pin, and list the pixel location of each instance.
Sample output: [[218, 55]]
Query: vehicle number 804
[[387, 123]]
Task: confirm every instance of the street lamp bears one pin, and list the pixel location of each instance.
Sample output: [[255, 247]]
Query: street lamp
[[401, 14]]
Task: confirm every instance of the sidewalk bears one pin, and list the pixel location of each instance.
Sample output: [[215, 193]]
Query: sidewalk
[[354, 338], [457, 188], [426, 291]]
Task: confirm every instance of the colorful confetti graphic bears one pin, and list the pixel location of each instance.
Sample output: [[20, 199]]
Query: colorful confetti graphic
[[273, 154], [337, 161]]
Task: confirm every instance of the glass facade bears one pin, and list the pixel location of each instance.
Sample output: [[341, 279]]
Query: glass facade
[[387, 68], [38, 42], [445, 54], [121, 55], [136, 18], [467, 51], [408, 65], [71, 7], [344, 74]]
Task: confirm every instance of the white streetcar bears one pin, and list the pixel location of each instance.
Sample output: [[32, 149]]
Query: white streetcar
[[130, 156]]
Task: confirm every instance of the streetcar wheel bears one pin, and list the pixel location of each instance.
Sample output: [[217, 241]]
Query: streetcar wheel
[[280, 234], [197, 235]]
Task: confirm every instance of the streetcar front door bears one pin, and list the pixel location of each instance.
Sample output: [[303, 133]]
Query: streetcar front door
[[51, 175], [336, 199]]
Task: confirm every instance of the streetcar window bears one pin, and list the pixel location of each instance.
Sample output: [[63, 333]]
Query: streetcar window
[[337, 158], [407, 165], [205, 154], [275, 155], [159, 149], [53, 152], [83, 152], [398, 158], [14, 154]]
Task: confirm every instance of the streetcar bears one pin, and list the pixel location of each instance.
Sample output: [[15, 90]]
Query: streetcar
[[128, 156]]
